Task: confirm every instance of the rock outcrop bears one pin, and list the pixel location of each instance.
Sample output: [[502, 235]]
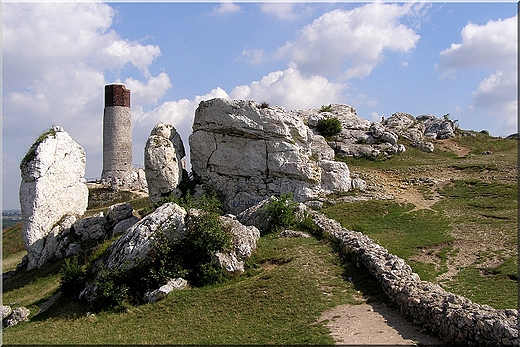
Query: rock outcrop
[[53, 193], [164, 161], [14, 316], [249, 153], [244, 243], [361, 138], [135, 243]]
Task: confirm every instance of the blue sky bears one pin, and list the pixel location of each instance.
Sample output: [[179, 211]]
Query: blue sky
[[381, 58]]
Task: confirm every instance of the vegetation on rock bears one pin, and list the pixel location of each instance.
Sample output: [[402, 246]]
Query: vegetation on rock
[[329, 126]]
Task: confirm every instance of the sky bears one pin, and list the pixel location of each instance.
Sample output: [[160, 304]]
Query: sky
[[380, 57]]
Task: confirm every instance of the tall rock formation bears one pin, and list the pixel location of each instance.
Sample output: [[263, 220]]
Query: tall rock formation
[[250, 152], [53, 193], [163, 161]]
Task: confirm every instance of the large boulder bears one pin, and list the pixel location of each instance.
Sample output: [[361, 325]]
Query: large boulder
[[438, 128], [249, 152], [135, 245], [163, 161], [53, 193]]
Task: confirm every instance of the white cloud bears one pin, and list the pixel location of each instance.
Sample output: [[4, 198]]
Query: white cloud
[[351, 42], [55, 60], [492, 47], [226, 8], [149, 92], [289, 88], [281, 10], [252, 56]]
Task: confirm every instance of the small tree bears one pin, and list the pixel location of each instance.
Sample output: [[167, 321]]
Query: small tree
[[329, 126]]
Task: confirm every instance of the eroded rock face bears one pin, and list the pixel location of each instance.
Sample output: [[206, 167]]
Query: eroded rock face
[[250, 153], [136, 242], [163, 161], [52, 193]]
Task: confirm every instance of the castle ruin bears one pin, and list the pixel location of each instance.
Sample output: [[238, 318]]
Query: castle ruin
[[118, 172]]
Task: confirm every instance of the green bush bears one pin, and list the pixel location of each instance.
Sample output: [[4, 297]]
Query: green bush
[[189, 257], [73, 277], [264, 104], [326, 108], [280, 212], [329, 126]]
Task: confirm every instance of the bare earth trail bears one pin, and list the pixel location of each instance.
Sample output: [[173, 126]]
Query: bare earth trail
[[373, 324], [377, 324]]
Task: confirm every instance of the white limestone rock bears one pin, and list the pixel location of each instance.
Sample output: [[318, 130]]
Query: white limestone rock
[[244, 237], [335, 176], [228, 261], [52, 188], [91, 228], [18, 314], [152, 296], [135, 244], [163, 161], [250, 153], [6, 311], [118, 212]]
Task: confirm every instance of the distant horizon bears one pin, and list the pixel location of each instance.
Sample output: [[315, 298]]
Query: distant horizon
[[381, 58]]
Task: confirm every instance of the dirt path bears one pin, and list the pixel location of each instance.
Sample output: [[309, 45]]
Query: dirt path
[[373, 324]]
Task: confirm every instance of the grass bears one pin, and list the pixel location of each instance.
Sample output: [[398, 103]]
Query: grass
[[393, 225], [12, 241], [289, 284]]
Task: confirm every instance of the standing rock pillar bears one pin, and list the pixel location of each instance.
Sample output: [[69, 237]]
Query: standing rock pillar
[[117, 134]]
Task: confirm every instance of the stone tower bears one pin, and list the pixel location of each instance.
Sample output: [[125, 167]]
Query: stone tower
[[117, 134]]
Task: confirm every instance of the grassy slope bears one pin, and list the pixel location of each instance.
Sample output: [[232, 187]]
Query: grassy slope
[[291, 281], [479, 205]]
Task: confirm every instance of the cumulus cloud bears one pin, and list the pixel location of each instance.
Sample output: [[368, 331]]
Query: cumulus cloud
[[289, 88], [56, 59], [492, 47], [352, 42], [148, 92]]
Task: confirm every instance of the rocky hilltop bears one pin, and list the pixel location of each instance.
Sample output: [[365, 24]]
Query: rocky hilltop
[[250, 151]]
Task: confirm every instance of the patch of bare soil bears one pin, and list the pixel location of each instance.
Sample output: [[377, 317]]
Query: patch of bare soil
[[373, 324], [450, 145]]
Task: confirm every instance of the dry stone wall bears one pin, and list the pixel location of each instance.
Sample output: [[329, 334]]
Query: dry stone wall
[[455, 318]]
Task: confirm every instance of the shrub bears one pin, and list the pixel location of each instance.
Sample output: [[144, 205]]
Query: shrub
[[329, 126], [326, 108], [280, 212], [264, 104], [73, 277], [189, 257]]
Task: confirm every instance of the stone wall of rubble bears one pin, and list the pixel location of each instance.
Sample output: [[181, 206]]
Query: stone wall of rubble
[[456, 319]]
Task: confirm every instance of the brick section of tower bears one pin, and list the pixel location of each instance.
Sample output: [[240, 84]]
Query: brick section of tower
[[117, 95]]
